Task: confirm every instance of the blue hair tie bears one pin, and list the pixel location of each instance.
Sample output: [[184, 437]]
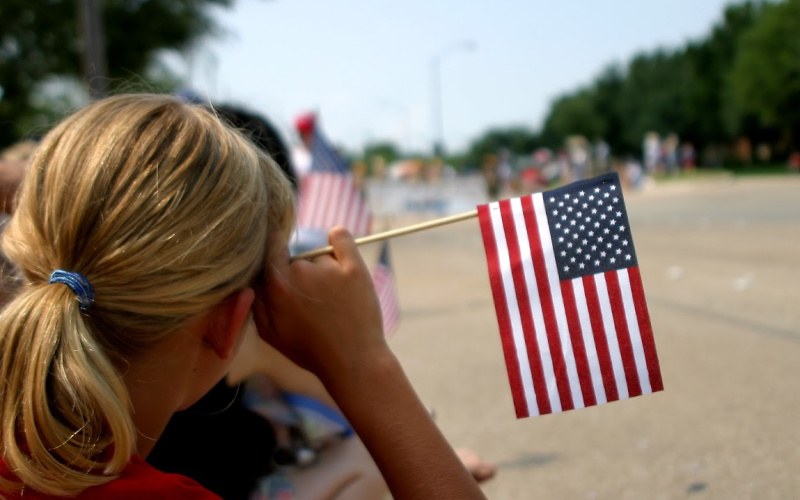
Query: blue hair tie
[[78, 283]]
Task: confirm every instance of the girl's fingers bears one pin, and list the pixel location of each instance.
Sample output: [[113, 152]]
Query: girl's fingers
[[344, 246]]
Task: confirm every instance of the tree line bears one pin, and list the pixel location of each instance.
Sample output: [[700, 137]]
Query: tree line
[[740, 84], [726, 94]]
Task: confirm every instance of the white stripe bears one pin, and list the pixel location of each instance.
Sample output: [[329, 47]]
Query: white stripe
[[611, 335], [535, 305], [588, 341], [349, 206], [558, 300], [320, 195], [633, 329], [385, 287], [335, 204], [513, 309]]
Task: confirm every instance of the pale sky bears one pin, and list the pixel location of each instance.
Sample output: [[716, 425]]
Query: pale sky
[[366, 66]]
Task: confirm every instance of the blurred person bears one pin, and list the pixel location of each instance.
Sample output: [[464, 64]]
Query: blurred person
[[744, 150], [764, 153], [505, 170], [794, 161], [602, 156], [578, 151], [13, 161], [634, 173], [669, 154], [651, 153], [687, 157], [491, 176]]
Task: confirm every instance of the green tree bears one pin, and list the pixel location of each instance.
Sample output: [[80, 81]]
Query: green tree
[[594, 112], [572, 114], [609, 96], [710, 62], [682, 90], [765, 80], [40, 43], [517, 140], [656, 90], [386, 150]]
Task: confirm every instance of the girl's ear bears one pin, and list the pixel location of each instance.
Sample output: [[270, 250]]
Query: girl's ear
[[227, 319]]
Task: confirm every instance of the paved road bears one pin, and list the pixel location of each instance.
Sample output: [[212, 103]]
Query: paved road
[[719, 264]]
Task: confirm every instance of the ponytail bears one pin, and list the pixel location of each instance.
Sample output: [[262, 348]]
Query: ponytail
[[65, 411]]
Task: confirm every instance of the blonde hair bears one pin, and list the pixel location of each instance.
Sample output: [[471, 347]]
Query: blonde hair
[[166, 211]]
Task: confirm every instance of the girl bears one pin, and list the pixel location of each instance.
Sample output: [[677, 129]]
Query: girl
[[151, 238]]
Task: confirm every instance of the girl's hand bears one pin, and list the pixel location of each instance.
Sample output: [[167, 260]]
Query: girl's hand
[[322, 314]]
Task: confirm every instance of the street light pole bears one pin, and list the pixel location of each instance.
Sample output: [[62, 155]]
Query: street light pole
[[436, 101]]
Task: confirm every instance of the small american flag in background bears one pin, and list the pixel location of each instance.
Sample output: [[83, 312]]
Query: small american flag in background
[[324, 157], [328, 196], [569, 299], [383, 278]]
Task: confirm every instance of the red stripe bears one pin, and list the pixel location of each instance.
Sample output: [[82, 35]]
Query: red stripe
[[645, 329], [578, 347], [546, 299], [600, 340], [623, 334], [526, 315], [501, 308], [387, 297]]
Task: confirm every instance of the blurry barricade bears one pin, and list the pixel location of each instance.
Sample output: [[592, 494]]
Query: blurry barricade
[[395, 203]]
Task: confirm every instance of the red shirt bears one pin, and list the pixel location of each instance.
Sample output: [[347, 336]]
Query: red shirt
[[139, 480]]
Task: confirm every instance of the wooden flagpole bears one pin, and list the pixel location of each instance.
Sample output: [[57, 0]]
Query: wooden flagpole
[[391, 234]]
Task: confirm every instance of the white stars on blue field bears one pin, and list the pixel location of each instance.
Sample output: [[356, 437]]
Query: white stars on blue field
[[589, 227]]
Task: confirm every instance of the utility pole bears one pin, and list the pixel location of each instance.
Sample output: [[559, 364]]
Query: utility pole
[[90, 23]]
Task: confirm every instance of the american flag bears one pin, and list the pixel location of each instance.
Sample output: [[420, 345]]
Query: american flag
[[385, 287], [328, 196], [574, 325]]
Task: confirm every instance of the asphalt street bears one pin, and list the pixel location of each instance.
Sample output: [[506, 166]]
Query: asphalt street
[[718, 259]]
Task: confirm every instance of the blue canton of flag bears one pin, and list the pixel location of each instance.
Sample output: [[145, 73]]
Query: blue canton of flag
[[324, 157], [589, 227]]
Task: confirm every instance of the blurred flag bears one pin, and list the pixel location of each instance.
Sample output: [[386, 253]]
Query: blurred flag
[[324, 158], [383, 278], [328, 196], [568, 294]]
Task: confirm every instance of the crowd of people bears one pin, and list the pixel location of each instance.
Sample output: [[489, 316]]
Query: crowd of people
[[157, 342]]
